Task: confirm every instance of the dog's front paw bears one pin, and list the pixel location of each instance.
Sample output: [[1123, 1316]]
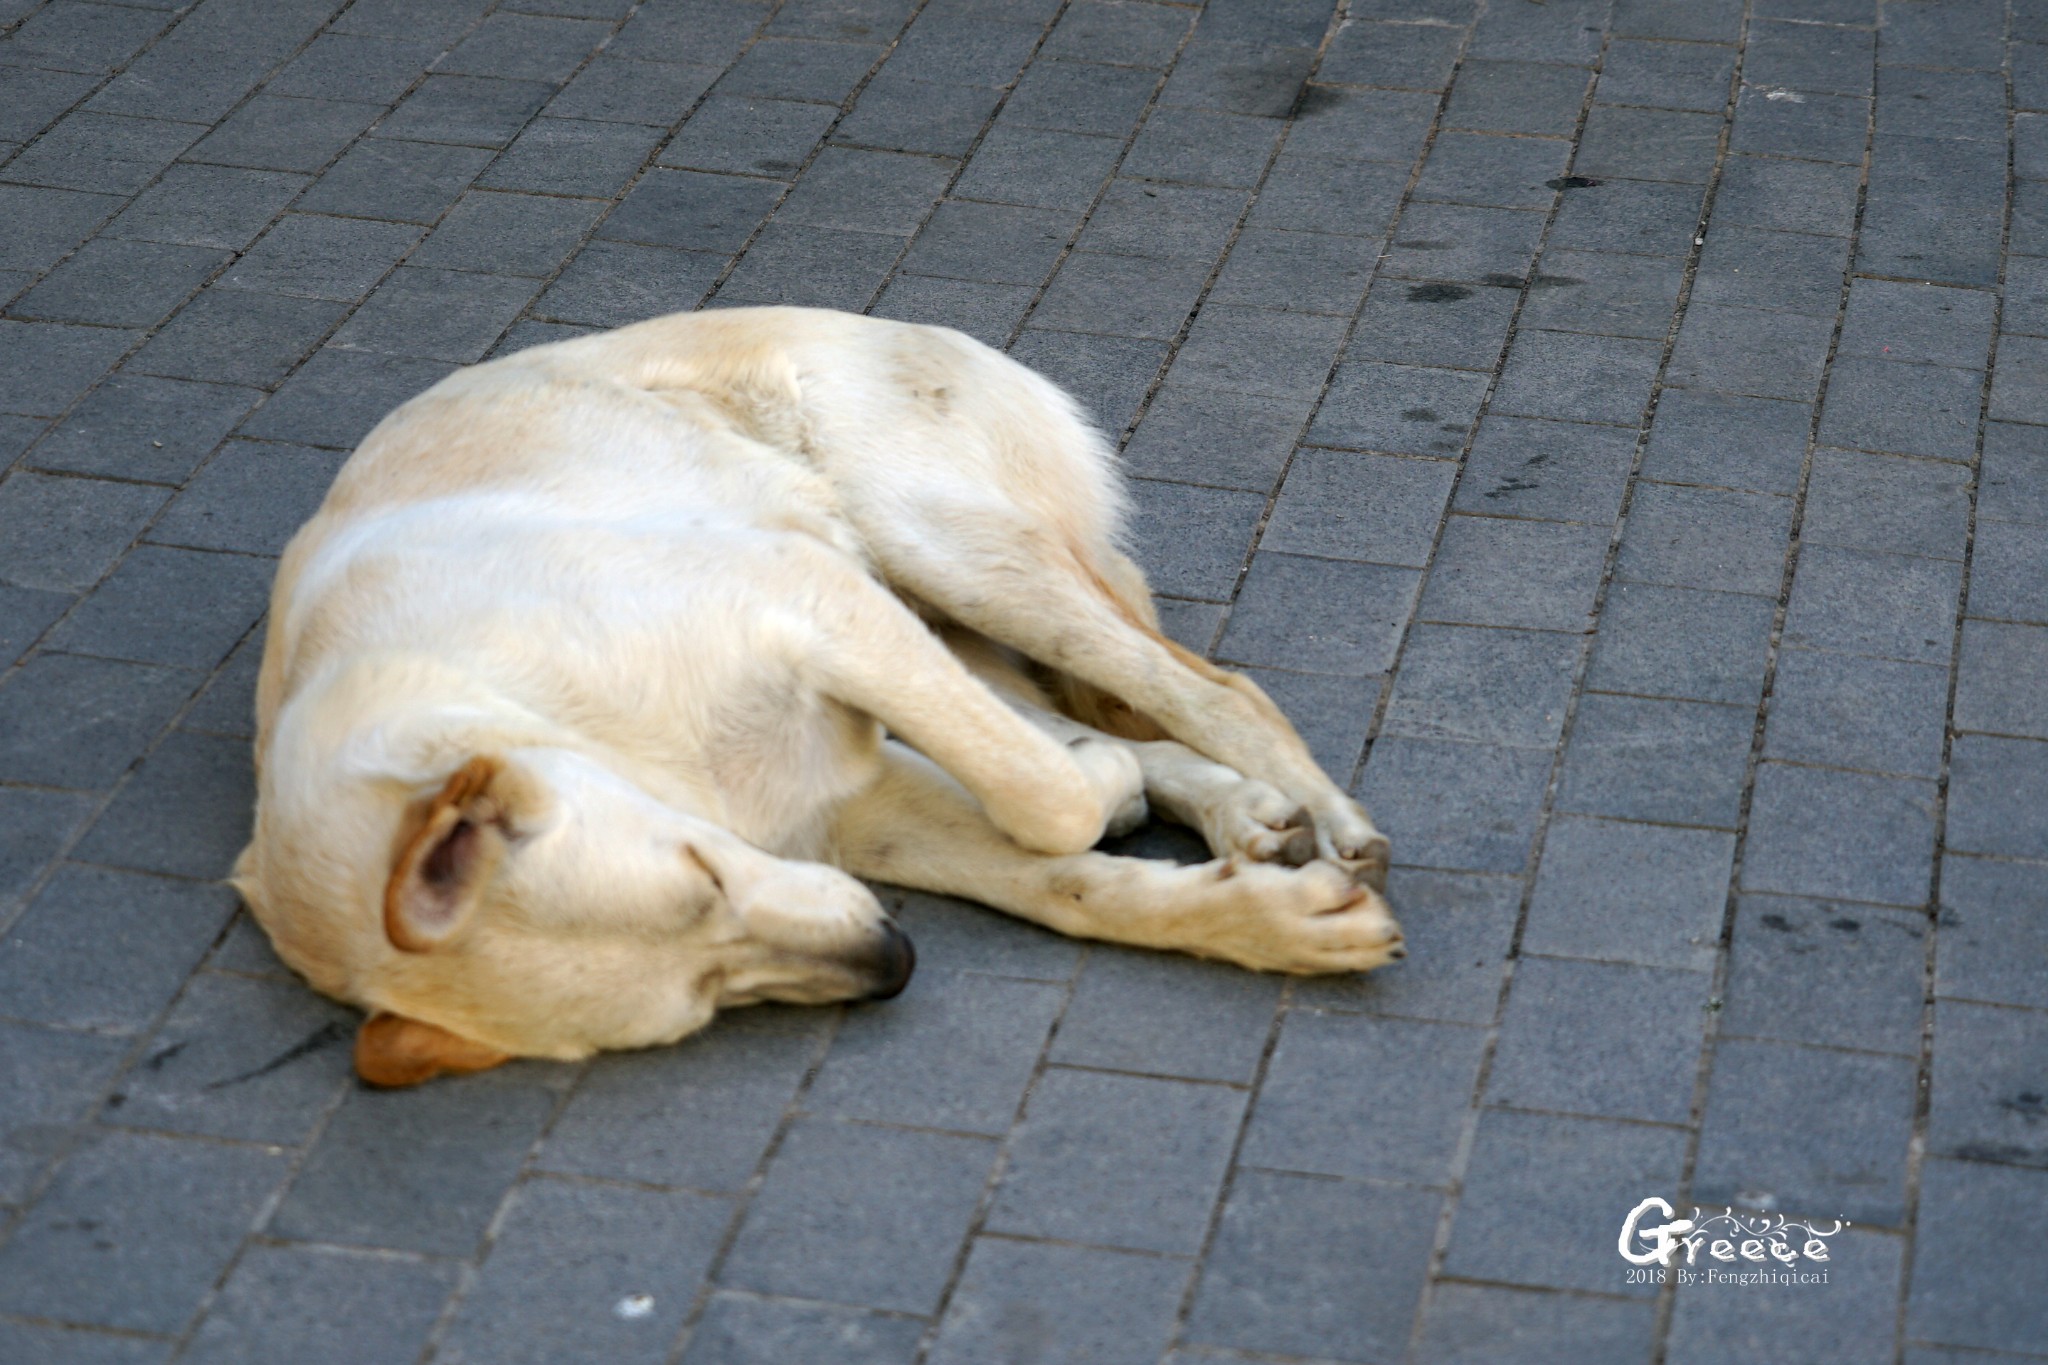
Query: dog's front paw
[[1252, 820], [1311, 920], [1345, 836]]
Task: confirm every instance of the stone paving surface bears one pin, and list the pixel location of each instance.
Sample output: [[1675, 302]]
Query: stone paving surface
[[1616, 430]]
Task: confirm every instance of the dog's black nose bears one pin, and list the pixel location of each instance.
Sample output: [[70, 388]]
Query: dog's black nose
[[895, 958]]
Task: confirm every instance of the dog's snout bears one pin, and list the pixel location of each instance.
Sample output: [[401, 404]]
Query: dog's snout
[[892, 960]]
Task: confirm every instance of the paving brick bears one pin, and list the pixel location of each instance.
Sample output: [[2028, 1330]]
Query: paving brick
[[1846, 711], [621, 91], [1564, 33], [1462, 806], [780, 68], [2026, 291], [1818, 832], [338, 396], [737, 1329], [1516, 97], [1578, 378], [1202, 147], [943, 46], [1356, 198], [1853, 1318], [990, 313], [1308, 272], [1933, 209], [1084, 1166], [1122, 295], [2009, 485], [1808, 1131], [1752, 351], [566, 1258], [72, 722], [917, 116], [1403, 409], [1493, 572], [1796, 272], [1987, 1100], [1666, 75], [838, 1191], [339, 66], [1000, 243], [1458, 928], [322, 258], [1826, 974], [82, 37], [39, 97], [1709, 22], [1926, 410], [1994, 919], [1757, 444], [256, 1060], [1608, 1039], [816, 267], [866, 191], [1892, 606], [1469, 1324], [1119, 34], [171, 606], [1110, 375], [278, 134], [1643, 894], [699, 1114], [1403, 56], [1807, 56], [435, 21], [1674, 762], [525, 47], [1231, 440], [38, 824], [1455, 242], [1309, 1266], [134, 1231], [573, 157], [1648, 144], [1193, 624], [980, 1037], [1113, 1308], [1341, 505], [607, 284], [1453, 325], [2019, 392], [1788, 196], [48, 223], [1039, 168], [1074, 98], [1483, 686], [1706, 538], [1166, 1016], [64, 534], [419, 1170], [210, 61], [1172, 221], [1972, 1263], [1192, 542], [456, 315], [1507, 172], [1994, 687], [186, 812], [52, 1080], [1679, 642], [120, 284], [1938, 35], [1995, 786], [1322, 615], [2004, 577], [25, 613], [1926, 324], [87, 150], [1239, 77], [1816, 128], [1543, 1194], [1628, 216], [689, 209], [321, 1305], [238, 336], [514, 234], [1611, 295], [406, 182], [1960, 105], [1332, 714], [228, 705], [45, 366], [1351, 1095], [711, 34]]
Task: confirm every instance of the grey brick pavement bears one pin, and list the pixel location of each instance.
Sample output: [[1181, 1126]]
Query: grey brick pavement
[[1616, 430]]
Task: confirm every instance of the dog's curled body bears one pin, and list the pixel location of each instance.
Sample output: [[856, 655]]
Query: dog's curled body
[[598, 658]]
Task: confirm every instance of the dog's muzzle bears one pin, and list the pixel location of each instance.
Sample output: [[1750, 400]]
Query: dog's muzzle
[[890, 963]]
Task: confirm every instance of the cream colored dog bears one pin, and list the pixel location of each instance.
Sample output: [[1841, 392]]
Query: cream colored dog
[[607, 667]]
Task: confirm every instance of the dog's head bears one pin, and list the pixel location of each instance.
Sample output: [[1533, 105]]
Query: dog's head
[[533, 902]]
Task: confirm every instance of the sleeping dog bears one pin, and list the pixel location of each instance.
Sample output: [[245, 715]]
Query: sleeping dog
[[608, 668]]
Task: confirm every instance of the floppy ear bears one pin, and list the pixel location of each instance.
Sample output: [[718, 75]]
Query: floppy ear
[[448, 847], [392, 1050]]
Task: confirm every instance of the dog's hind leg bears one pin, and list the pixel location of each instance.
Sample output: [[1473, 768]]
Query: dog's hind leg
[[917, 827]]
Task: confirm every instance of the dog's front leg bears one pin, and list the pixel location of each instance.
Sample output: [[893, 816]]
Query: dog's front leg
[[917, 827]]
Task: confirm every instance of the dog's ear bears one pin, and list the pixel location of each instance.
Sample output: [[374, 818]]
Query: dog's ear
[[392, 1050], [448, 846]]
